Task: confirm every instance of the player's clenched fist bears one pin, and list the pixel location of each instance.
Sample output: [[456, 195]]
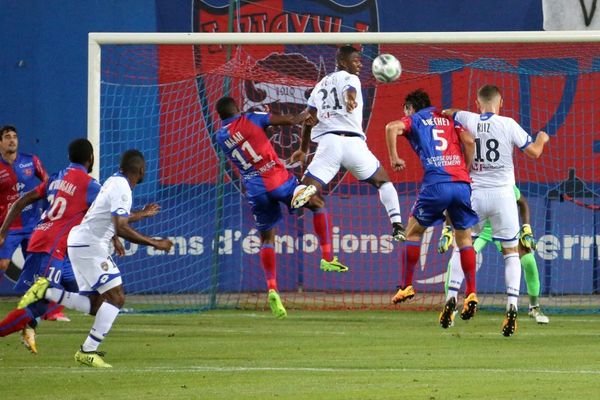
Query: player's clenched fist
[[397, 163], [163, 244], [544, 136]]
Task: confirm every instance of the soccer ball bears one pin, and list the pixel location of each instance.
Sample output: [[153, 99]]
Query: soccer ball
[[386, 68]]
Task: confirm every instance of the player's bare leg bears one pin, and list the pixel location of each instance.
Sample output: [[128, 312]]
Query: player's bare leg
[[389, 198], [409, 256]]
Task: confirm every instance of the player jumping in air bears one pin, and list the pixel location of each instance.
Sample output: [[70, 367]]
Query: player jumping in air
[[526, 248], [69, 194], [244, 140], [493, 181], [446, 187], [336, 102], [98, 277]]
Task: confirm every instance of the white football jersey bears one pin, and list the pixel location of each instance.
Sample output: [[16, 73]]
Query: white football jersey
[[329, 100], [97, 228], [495, 138]]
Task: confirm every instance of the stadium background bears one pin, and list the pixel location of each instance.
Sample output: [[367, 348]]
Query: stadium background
[[43, 76]]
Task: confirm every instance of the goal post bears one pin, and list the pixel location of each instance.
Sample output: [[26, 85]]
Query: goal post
[[156, 92]]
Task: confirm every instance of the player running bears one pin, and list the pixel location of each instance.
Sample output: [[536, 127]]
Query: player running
[[336, 102], [527, 245], [493, 180], [446, 187], [98, 277], [244, 141], [69, 194], [19, 173]]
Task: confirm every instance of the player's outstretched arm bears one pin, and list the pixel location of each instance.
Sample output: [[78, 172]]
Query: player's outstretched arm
[[468, 143], [289, 119], [149, 210], [449, 112], [300, 154], [16, 209], [535, 149], [392, 131], [125, 231], [526, 234]]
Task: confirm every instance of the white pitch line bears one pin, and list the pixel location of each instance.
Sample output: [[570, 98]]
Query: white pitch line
[[78, 370]]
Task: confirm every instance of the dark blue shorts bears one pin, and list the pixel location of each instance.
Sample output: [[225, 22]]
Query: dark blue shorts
[[58, 272], [455, 197], [265, 207], [13, 240]]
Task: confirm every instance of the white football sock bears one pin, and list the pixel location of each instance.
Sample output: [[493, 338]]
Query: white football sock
[[74, 301], [456, 277], [512, 277], [106, 315], [389, 199]]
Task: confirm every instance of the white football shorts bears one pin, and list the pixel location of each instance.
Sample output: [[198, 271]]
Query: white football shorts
[[94, 270], [336, 151], [499, 206]]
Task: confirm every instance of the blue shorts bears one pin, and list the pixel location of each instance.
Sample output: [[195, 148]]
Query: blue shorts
[[455, 197], [13, 240], [58, 272], [265, 207]]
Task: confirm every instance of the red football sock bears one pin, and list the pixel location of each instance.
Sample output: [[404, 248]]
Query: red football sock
[[410, 256], [323, 225], [53, 309], [468, 263], [267, 260], [15, 321]]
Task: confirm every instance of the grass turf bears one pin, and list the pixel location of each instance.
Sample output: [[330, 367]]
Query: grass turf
[[310, 355]]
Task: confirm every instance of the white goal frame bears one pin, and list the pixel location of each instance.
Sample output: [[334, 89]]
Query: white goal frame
[[97, 39]]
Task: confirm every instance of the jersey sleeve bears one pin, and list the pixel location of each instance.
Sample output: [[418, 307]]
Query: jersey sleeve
[[92, 191], [407, 121], [42, 188], [120, 199], [261, 119], [520, 138], [464, 118], [517, 192], [311, 99], [40, 171], [351, 82]]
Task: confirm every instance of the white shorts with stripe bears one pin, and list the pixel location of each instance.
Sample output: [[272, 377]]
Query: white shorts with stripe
[[94, 270], [499, 206], [337, 150]]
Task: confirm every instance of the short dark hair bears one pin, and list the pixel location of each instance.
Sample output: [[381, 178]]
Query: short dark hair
[[226, 107], [419, 99], [80, 151], [488, 92], [7, 128], [344, 52], [131, 161]]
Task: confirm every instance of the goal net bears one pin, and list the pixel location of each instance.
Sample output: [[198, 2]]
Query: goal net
[[157, 92]]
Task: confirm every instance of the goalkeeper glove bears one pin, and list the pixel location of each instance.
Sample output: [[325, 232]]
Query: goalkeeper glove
[[526, 237], [446, 239]]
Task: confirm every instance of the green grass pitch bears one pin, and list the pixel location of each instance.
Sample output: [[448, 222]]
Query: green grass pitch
[[311, 355]]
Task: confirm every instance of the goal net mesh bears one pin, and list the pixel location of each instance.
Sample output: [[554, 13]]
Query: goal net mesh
[[160, 99]]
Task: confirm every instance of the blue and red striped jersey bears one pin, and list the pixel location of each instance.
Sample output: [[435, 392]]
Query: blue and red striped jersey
[[69, 194], [245, 142], [435, 139], [15, 180]]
